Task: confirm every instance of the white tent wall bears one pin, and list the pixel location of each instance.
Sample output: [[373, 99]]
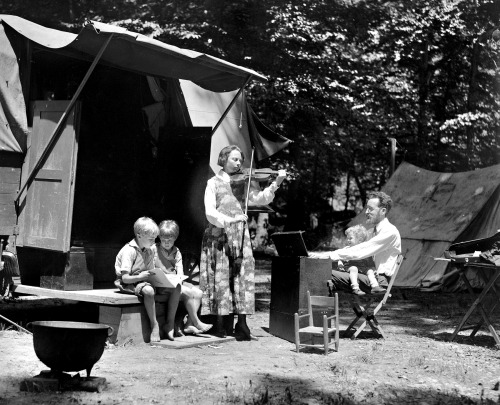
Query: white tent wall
[[432, 210], [206, 107], [421, 270]]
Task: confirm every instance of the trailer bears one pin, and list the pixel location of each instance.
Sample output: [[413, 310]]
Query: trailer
[[100, 128]]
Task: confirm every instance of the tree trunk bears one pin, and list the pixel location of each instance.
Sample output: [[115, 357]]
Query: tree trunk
[[423, 94], [261, 234], [362, 191], [348, 182], [471, 98]]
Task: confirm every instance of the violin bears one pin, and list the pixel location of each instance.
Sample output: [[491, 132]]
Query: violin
[[257, 175]]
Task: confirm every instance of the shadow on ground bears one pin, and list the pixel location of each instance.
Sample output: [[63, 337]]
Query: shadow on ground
[[271, 389]]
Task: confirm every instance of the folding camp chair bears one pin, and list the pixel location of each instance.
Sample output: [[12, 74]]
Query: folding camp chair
[[362, 304], [325, 304]]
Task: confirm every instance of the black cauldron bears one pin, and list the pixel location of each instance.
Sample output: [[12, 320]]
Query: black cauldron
[[69, 346]]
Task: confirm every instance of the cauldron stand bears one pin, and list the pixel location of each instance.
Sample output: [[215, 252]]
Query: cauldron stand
[[49, 380]]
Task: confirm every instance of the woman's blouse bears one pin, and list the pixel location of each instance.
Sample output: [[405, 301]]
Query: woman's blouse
[[256, 197]]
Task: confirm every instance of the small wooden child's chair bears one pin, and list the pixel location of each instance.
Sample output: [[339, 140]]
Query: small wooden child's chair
[[363, 311], [325, 304]]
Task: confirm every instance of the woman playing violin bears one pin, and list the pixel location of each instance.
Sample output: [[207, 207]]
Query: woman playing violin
[[227, 265]]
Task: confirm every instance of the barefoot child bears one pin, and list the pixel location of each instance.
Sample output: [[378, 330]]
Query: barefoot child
[[355, 235], [132, 266], [169, 259]]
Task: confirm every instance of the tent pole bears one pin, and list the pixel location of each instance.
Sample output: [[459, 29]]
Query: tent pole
[[230, 105], [58, 130], [393, 155]]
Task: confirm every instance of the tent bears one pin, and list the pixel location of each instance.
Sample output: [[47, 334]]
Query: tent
[[432, 210], [104, 126]]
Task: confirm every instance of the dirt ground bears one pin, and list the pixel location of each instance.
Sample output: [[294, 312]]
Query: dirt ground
[[416, 364]]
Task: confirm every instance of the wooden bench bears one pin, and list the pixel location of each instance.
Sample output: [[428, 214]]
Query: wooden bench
[[124, 312]]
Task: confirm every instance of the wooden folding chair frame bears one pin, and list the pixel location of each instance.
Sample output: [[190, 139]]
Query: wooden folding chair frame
[[363, 311], [320, 331]]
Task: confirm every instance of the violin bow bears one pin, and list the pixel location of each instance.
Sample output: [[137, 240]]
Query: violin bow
[[246, 203], [249, 181]]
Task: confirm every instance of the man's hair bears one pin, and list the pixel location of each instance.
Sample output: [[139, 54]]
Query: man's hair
[[169, 229], [384, 200], [224, 154], [358, 232], [146, 226]]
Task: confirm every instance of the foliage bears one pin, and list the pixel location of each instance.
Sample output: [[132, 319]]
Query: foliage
[[344, 77]]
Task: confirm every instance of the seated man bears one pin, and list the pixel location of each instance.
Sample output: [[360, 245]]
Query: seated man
[[384, 246]]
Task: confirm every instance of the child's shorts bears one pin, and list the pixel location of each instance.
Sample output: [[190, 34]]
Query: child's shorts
[[139, 287], [136, 289], [158, 290]]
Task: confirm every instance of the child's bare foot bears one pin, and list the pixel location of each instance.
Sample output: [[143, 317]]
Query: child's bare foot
[[169, 332], [155, 333], [191, 330], [203, 327]]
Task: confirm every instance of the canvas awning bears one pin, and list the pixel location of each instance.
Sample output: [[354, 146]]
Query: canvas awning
[[110, 45], [138, 53]]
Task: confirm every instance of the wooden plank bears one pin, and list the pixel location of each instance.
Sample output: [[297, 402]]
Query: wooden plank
[[6, 211], [111, 316], [10, 175], [49, 198], [130, 323], [108, 296], [9, 188], [8, 217], [7, 201], [105, 296], [134, 326], [7, 229]]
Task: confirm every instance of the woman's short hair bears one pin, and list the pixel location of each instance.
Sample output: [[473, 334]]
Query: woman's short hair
[[384, 200], [358, 232], [169, 229], [224, 154], [146, 226]]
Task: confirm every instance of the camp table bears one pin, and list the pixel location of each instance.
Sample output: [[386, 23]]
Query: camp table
[[466, 255]]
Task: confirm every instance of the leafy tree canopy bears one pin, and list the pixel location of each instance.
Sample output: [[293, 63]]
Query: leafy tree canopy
[[344, 77]]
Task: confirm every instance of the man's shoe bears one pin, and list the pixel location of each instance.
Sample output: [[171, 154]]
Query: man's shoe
[[377, 289], [357, 291]]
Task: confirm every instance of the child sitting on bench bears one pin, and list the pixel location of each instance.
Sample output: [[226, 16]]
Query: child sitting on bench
[[169, 259], [355, 235], [132, 266]]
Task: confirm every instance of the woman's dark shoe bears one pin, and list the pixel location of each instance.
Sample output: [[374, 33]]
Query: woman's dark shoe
[[219, 329], [228, 325]]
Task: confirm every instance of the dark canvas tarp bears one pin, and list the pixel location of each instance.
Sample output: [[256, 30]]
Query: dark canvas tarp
[[241, 126], [138, 53], [432, 210], [184, 104], [126, 50]]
